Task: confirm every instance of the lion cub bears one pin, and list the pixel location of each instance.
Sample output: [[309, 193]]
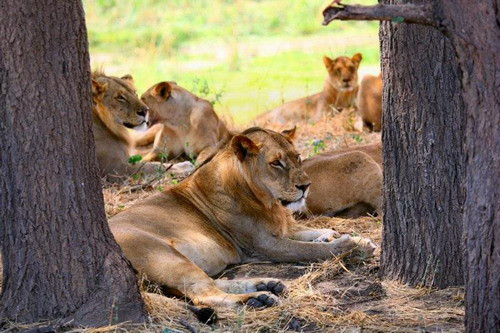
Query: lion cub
[[231, 210], [190, 123], [370, 101], [347, 181], [339, 91]]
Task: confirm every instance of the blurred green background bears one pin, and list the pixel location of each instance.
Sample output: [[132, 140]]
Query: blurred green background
[[245, 56]]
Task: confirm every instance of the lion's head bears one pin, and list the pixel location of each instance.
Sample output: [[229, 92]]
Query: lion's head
[[168, 101], [343, 71], [116, 101], [271, 167]]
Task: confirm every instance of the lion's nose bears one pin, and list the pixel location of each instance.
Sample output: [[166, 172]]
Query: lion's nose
[[346, 79], [142, 112], [303, 187]]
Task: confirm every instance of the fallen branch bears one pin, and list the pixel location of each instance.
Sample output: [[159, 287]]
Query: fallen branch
[[407, 13]]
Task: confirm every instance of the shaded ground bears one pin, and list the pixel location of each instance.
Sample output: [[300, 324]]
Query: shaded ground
[[338, 295]]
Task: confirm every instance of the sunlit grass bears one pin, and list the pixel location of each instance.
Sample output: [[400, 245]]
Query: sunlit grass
[[247, 56]]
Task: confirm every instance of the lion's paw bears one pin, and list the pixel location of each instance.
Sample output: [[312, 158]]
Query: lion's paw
[[364, 245], [328, 236], [274, 286], [263, 300]]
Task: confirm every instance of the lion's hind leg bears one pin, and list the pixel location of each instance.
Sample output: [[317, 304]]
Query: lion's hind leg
[[162, 264]]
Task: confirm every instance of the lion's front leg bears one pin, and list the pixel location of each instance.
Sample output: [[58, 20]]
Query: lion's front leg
[[288, 250], [307, 234]]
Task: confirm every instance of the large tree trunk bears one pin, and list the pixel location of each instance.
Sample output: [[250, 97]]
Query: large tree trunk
[[59, 257], [474, 28], [423, 125]]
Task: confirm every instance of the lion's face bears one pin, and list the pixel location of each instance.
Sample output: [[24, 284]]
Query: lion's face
[[119, 97], [343, 71], [270, 160], [166, 101]]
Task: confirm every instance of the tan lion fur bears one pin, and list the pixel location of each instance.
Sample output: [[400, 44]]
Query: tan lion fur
[[190, 123], [345, 180], [339, 91], [115, 104], [370, 101], [229, 211]]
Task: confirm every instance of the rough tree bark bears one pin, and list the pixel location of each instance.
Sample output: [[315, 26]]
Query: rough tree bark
[[59, 257], [473, 28], [423, 126]]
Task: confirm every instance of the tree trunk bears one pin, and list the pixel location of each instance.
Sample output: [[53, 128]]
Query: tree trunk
[[423, 125], [474, 29], [60, 259]]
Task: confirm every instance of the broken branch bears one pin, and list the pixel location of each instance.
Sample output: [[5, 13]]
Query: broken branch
[[407, 13]]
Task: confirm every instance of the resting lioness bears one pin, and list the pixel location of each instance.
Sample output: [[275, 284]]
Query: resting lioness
[[373, 150], [191, 124], [116, 109], [340, 89], [231, 210], [370, 101], [344, 182]]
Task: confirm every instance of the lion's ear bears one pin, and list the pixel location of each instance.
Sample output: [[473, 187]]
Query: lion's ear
[[328, 62], [128, 78], [357, 58], [290, 134], [98, 88], [243, 146], [162, 90]]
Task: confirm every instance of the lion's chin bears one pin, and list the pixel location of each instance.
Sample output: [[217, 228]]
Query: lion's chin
[[296, 206], [346, 88]]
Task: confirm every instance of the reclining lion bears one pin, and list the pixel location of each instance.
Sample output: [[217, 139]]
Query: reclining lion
[[340, 89], [116, 110], [346, 182], [190, 123], [231, 210]]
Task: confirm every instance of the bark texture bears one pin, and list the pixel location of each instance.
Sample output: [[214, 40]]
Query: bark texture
[[423, 126], [59, 257], [474, 28]]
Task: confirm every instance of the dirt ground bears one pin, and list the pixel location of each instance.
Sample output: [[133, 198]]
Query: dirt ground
[[339, 295]]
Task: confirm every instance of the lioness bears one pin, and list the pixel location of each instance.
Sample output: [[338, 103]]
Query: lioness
[[231, 210], [373, 150], [191, 124], [340, 89], [116, 109], [370, 101], [346, 183]]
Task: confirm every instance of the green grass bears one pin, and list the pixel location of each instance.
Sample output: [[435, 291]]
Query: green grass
[[246, 55]]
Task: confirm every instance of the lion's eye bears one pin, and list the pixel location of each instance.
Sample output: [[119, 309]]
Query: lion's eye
[[120, 98], [276, 164]]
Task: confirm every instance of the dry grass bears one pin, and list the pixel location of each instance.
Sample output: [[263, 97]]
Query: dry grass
[[343, 294]]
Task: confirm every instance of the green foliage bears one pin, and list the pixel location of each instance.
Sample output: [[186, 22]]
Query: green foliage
[[318, 146], [357, 138], [244, 56], [163, 157], [134, 159]]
